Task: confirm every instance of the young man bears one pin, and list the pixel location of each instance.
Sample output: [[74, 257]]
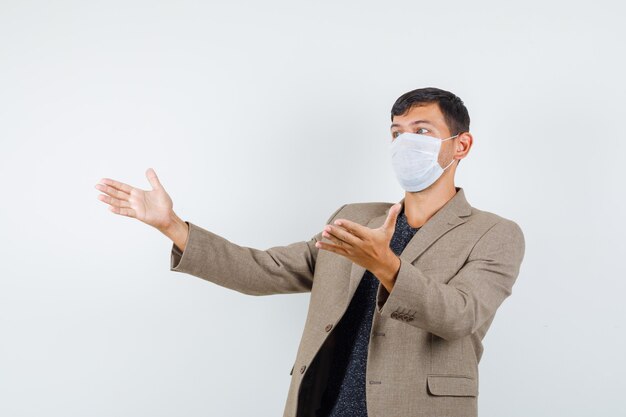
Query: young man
[[401, 294]]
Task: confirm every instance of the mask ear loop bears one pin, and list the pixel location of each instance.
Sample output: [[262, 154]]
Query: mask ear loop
[[451, 162], [451, 137]]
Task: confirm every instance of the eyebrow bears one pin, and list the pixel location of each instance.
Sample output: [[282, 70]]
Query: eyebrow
[[413, 123]]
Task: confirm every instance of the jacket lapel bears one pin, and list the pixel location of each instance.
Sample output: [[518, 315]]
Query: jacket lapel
[[452, 214]]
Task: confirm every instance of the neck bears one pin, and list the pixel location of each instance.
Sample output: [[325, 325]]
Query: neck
[[422, 205]]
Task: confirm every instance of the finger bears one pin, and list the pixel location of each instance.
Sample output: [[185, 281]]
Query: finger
[[335, 240], [113, 201], [113, 192], [116, 184], [128, 212], [331, 248], [355, 229], [340, 236], [153, 179], [390, 221]]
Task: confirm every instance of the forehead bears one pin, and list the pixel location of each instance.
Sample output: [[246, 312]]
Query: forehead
[[428, 111]]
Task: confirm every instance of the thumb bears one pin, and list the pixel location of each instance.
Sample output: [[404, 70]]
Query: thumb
[[153, 179], [392, 217]]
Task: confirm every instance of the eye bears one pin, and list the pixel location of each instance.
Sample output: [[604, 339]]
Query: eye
[[422, 128]]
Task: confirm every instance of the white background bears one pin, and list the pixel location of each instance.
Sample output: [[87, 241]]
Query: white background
[[262, 118]]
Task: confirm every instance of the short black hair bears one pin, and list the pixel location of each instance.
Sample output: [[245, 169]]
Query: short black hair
[[454, 112]]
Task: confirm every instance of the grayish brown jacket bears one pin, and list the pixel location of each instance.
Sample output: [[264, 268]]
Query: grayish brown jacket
[[426, 336]]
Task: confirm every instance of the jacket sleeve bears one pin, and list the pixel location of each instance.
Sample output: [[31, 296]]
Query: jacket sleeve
[[470, 298], [277, 270]]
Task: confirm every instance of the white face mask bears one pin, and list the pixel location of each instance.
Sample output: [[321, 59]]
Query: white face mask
[[414, 160]]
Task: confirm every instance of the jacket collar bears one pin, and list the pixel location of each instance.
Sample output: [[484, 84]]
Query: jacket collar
[[457, 204], [452, 214]]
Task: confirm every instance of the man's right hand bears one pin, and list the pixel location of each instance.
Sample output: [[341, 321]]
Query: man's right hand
[[153, 207]]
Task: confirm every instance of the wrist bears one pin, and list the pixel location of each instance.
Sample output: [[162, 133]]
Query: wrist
[[178, 232], [173, 226], [389, 270]]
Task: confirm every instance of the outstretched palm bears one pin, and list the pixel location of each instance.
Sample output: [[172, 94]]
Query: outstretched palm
[[153, 207]]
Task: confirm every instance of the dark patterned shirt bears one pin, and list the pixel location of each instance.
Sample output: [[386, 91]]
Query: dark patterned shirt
[[345, 393]]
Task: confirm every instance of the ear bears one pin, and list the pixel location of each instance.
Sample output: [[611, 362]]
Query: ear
[[463, 145]]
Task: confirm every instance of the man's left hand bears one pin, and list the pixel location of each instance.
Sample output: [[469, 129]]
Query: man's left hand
[[366, 247]]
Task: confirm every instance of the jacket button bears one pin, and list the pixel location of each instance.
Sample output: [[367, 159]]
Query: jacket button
[[302, 369], [328, 327]]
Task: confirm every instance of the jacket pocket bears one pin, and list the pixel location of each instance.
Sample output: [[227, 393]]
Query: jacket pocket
[[455, 385]]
